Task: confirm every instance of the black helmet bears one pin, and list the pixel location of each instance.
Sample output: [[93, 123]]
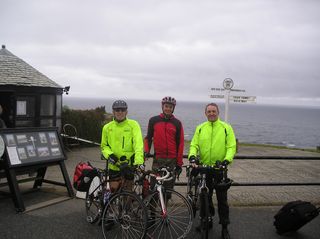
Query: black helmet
[[119, 104], [169, 100]]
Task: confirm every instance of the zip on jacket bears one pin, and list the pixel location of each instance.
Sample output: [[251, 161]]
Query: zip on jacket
[[213, 141], [122, 139]]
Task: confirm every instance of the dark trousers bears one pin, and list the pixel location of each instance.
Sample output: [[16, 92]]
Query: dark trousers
[[212, 179]]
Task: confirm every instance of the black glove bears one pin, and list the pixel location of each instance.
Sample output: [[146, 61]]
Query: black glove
[[218, 164], [178, 170], [126, 171], [113, 159], [147, 155], [225, 163], [193, 159], [124, 165], [222, 164], [123, 159]]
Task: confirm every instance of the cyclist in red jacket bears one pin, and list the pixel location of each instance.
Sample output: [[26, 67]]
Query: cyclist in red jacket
[[166, 133]]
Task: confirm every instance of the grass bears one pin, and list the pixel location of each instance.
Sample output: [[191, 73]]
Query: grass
[[278, 147], [187, 144]]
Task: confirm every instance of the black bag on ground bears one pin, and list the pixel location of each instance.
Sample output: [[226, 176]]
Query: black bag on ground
[[294, 215]]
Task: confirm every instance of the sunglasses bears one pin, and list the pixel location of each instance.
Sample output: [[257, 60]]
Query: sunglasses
[[120, 110]]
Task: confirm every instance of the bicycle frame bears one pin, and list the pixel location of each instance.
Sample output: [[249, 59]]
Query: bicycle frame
[[201, 193], [170, 214], [159, 188]]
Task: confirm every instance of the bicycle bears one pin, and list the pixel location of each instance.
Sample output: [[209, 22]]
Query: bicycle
[[198, 193], [94, 200], [122, 214], [169, 212]]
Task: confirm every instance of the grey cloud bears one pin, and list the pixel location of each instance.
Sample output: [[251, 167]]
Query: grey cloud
[[147, 48]]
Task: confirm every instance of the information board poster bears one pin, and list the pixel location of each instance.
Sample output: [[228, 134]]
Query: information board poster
[[25, 147]]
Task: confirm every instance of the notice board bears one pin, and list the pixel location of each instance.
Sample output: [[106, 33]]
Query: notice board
[[27, 149]]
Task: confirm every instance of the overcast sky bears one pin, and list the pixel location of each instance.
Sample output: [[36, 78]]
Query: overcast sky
[[148, 49]]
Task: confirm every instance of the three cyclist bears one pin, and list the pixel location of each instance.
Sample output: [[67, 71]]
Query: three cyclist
[[214, 141]]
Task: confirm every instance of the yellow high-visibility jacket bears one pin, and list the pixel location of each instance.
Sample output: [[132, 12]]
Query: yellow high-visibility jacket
[[122, 139], [213, 141]]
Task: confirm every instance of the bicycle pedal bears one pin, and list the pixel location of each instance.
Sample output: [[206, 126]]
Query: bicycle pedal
[[89, 219]]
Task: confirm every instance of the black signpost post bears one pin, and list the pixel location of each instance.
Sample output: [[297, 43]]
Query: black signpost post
[[32, 150]]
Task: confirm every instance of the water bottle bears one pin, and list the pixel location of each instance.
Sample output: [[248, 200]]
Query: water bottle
[[106, 196]]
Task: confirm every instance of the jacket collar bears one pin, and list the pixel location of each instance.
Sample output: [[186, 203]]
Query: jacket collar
[[214, 123], [163, 116], [120, 123]]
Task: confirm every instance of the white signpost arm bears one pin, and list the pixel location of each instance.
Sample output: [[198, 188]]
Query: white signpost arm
[[227, 87]]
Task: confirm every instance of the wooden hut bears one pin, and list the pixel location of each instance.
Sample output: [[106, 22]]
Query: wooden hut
[[28, 98]]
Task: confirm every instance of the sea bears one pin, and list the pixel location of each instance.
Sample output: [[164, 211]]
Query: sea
[[290, 126]]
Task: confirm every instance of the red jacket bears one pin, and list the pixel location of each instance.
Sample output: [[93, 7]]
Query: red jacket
[[167, 136]]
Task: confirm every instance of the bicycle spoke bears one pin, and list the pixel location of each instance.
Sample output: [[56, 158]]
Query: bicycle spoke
[[127, 212], [177, 221]]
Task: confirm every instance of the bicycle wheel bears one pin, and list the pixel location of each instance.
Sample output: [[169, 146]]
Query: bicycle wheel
[[192, 196], [94, 201], [124, 217], [204, 214], [175, 221]]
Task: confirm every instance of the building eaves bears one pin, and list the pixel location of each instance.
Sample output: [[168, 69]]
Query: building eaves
[[15, 71]]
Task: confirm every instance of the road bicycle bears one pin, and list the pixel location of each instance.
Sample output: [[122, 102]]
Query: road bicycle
[[122, 214], [169, 212], [198, 193], [94, 200]]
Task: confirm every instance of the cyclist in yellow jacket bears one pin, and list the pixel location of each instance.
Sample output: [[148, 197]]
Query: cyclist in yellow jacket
[[122, 146], [214, 141]]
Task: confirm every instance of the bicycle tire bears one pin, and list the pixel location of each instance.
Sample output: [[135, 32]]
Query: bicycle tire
[[94, 201], [204, 214], [192, 197], [175, 223], [124, 217]]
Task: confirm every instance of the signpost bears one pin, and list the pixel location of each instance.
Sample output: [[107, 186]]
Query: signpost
[[227, 88]]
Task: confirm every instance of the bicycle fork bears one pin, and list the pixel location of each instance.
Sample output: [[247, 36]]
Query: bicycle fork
[[162, 203]]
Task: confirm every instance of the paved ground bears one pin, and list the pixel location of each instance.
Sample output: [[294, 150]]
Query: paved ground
[[249, 171], [67, 220], [252, 208]]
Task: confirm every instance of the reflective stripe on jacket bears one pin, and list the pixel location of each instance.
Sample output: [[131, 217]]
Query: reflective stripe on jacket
[[122, 139], [213, 141]]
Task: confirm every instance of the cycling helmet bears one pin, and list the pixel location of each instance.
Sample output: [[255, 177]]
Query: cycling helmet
[[169, 100], [119, 104]]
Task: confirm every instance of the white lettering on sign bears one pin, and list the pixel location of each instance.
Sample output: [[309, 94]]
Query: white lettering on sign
[[238, 90], [217, 96], [247, 98], [217, 89]]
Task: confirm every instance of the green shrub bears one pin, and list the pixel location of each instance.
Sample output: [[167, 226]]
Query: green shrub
[[88, 123]]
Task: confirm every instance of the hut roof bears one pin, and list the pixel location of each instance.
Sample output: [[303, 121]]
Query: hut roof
[[14, 71]]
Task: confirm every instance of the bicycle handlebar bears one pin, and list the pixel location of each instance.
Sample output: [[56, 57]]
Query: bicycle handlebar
[[208, 167], [153, 173], [166, 177]]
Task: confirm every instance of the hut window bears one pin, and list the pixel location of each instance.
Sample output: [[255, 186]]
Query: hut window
[[47, 105], [59, 105], [26, 106]]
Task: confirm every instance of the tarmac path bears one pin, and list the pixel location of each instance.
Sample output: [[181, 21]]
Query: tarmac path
[[252, 207]]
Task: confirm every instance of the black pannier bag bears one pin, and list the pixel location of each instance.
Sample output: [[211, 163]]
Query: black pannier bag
[[294, 215]]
